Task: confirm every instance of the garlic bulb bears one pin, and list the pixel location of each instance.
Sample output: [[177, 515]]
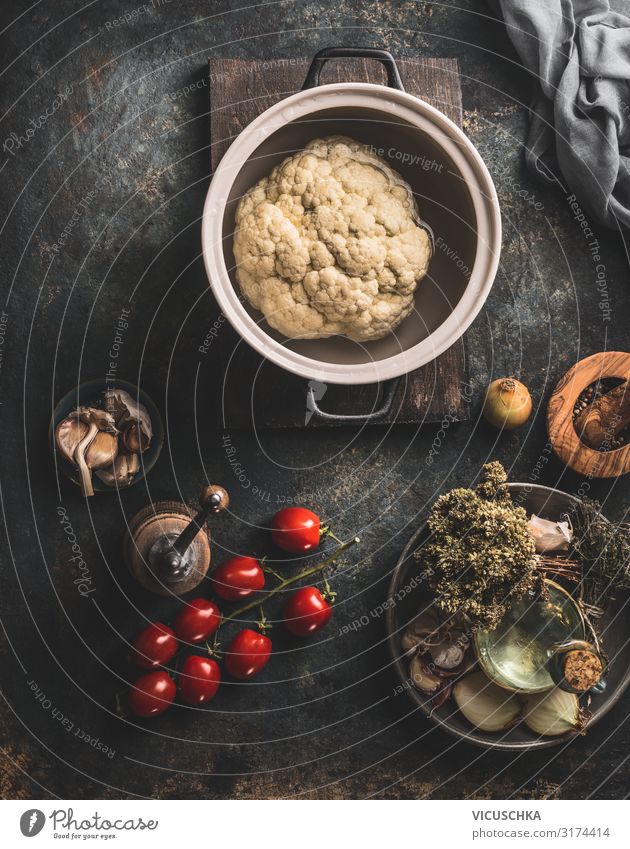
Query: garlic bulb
[[553, 713], [549, 535], [484, 704], [98, 448]]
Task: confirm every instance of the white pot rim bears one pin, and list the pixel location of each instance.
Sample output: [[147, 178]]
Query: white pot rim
[[393, 104]]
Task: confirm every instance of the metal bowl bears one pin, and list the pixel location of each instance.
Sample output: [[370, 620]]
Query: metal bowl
[[403, 606]]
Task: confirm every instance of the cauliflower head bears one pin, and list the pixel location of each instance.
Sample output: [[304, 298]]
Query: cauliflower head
[[329, 243]]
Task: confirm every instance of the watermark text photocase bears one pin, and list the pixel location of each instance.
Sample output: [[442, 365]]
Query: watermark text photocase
[[16, 141], [83, 582]]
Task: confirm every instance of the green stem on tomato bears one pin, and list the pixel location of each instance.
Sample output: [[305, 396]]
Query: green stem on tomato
[[305, 573]]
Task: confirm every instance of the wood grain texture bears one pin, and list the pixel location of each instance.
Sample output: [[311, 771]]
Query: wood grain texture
[[239, 91], [563, 435], [606, 417], [152, 522]]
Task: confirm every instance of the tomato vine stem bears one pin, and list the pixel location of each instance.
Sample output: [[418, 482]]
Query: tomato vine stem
[[287, 582]]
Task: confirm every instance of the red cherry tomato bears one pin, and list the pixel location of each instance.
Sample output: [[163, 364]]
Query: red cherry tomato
[[247, 654], [197, 620], [199, 679], [306, 611], [238, 578], [295, 529], [154, 646], [152, 694]]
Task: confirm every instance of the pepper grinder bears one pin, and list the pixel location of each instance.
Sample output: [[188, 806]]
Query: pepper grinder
[[167, 548]]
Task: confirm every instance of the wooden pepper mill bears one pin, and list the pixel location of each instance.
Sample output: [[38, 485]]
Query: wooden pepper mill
[[167, 548]]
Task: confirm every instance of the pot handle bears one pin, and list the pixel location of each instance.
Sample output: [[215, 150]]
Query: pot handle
[[382, 56], [388, 391]]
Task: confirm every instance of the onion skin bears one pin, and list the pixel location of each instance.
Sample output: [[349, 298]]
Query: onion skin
[[508, 403], [484, 704], [554, 713]]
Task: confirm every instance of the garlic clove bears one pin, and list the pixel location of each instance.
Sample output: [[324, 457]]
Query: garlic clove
[[484, 704], [425, 623], [134, 439], [447, 655], [422, 678], [410, 643], [554, 713], [122, 472], [102, 450], [549, 535], [126, 410], [68, 433]]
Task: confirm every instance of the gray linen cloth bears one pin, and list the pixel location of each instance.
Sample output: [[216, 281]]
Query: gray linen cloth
[[579, 52]]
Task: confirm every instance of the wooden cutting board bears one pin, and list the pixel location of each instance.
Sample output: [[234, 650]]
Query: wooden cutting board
[[254, 392]]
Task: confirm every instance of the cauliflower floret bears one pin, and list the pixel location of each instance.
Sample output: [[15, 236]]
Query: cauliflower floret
[[329, 243]]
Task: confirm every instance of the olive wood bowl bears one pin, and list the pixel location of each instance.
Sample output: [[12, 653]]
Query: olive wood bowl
[[566, 441], [404, 604]]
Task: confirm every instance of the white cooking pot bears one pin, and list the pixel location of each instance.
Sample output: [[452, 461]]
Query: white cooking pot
[[455, 195]]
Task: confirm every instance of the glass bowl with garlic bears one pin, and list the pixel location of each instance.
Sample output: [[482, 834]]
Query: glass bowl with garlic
[[106, 435]]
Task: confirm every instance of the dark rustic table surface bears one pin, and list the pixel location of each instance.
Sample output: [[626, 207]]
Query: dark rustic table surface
[[105, 164]]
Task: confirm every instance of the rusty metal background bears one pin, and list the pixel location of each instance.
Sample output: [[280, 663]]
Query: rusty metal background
[[104, 169]]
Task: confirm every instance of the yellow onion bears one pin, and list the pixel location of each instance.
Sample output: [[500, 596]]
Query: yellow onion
[[508, 403], [484, 704], [553, 713]]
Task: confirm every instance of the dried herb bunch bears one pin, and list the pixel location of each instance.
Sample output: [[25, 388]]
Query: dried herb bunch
[[603, 548], [480, 554]]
